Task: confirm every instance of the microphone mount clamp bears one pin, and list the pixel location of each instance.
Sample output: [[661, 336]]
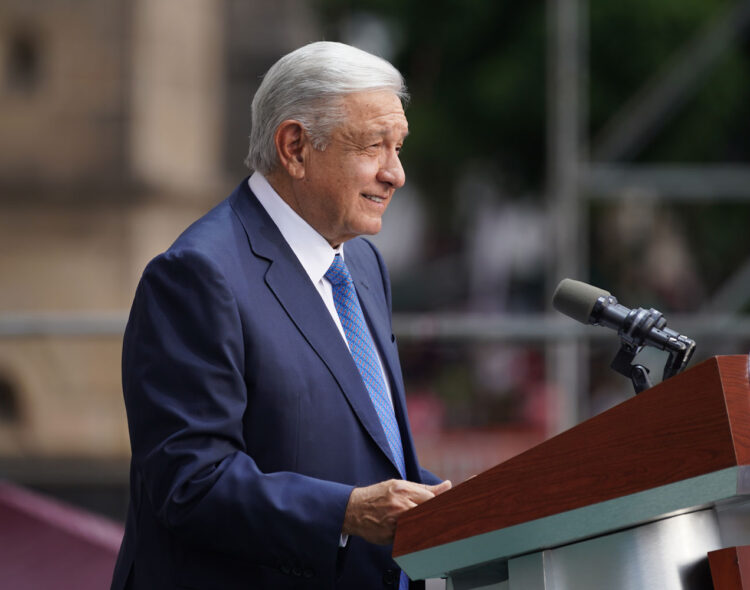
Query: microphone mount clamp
[[644, 327]]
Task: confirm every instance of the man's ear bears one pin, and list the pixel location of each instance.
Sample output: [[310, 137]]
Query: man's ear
[[291, 142]]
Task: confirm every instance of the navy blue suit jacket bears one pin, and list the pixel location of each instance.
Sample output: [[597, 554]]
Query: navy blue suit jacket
[[249, 422]]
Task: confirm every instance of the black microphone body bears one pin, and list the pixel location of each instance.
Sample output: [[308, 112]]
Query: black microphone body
[[636, 327]]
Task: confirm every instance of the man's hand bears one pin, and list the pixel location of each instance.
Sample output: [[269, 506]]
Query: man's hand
[[372, 512]]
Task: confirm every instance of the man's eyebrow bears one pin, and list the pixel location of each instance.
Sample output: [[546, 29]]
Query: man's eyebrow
[[381, 132]]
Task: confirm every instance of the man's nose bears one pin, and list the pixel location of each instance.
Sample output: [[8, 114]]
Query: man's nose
[[392, 172]]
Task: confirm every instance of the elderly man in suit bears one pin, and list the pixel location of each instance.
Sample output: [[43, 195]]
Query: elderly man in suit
[[271, 446]]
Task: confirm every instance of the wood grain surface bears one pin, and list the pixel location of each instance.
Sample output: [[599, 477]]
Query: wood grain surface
[[697, 422], [730, 568]]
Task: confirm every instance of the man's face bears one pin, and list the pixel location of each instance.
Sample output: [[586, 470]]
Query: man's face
[[347, 187]]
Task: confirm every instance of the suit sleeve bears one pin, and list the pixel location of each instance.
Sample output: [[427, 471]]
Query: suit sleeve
[[185, 392], [429, 478]]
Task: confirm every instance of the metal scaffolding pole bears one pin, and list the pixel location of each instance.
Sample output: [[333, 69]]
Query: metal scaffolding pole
[[697, 183], [442, 327], [565, 150]]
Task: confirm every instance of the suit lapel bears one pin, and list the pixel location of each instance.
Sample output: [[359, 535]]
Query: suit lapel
[[378, 320], [376, 316], [300, 299]]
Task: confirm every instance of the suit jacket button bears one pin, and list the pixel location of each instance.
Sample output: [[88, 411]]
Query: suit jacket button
[[308, 573], [296, 571], [285, 569], [390, 577]]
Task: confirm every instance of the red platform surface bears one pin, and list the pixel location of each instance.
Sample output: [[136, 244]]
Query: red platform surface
[[47, 544]]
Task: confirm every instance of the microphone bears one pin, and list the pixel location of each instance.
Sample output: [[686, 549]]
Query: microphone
[[636, 327]]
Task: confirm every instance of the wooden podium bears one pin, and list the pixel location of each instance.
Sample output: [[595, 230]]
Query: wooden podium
[[633, 498]]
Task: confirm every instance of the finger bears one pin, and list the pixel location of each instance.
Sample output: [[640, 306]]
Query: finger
[[406, 506], [436, 489], [419, 493], [443, 486]]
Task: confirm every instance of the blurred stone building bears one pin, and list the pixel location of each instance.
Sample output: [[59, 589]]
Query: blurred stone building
[[120, 122]]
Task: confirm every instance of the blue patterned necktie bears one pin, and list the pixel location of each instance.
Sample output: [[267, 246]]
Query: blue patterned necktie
[[365, 357], [362, 348]]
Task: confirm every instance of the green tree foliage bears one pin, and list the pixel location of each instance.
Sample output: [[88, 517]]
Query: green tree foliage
[[477, 70], [632, 41], [476, 73]]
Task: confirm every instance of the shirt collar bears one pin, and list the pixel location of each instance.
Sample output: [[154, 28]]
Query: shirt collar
[[311, 249]]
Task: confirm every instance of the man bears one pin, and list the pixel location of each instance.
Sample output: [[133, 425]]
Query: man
[[271, 447]]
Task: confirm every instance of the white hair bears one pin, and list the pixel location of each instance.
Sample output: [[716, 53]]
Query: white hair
[[307, 85]]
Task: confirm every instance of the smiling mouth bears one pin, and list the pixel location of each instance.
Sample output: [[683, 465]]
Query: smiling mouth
[[374, 199]]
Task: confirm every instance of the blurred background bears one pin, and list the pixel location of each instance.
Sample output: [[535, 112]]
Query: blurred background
[[603, 141]]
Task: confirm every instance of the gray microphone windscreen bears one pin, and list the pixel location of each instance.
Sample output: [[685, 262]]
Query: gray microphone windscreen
[[576, 299]]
